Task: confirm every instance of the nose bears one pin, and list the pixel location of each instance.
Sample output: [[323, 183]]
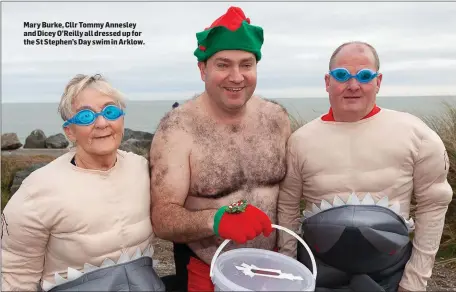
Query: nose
[[235, 75], [353, 84], [101, 122]]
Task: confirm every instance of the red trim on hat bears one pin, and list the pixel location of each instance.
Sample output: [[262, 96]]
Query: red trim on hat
[[232, 19], [329, 117]]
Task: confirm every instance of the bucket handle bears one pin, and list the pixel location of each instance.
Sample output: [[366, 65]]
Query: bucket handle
[[314, 266]]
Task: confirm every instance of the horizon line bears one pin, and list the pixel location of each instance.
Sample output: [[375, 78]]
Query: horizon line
[[314, 97]]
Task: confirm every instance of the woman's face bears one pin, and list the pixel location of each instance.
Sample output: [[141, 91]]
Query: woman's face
[[103, 136]]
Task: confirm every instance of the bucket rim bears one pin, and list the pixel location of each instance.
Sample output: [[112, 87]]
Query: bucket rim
[[312, 258], [222, 278]]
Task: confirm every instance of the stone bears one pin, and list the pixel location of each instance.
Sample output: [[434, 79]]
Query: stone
[[57, 141], [138, 135], [10, 141], [36, 139], [140, 147]]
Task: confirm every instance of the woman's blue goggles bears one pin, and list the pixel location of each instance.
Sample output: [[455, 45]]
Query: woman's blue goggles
[[343, 75], [87, 117]]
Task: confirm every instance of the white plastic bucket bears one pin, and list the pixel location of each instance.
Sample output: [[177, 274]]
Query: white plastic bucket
[[251, 269]]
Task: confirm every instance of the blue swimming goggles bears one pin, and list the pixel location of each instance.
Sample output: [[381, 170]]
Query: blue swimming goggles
[[343, 75], [87, 117]]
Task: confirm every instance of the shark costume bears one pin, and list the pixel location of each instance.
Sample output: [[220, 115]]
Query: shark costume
[[74, 229], [358, 180]]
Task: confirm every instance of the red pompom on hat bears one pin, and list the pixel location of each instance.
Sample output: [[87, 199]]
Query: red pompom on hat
[[232, 19]]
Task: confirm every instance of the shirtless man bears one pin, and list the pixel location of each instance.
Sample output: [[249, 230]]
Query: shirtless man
[[220, 147]]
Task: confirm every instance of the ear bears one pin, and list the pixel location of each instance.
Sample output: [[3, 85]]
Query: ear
[[202, 68], [379, 81], [69, 133], [327, 79]]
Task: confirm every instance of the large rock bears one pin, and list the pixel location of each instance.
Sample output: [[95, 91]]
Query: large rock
[[57, 141], [140, 147], [23, 174], [138, 135], [10, 141], [36, 139]]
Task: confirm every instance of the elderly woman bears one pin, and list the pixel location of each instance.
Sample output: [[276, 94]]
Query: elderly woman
[[82, 221]]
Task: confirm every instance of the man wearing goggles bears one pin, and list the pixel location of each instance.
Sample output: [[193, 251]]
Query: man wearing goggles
[[357, 168], [363, 76]]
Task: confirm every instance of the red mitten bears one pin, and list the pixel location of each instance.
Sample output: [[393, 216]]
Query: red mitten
[[241, 222]]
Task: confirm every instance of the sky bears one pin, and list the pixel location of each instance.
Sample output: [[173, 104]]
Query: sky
[[416, 42]]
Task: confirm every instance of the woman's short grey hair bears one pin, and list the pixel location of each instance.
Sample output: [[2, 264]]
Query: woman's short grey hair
[[81, 82]]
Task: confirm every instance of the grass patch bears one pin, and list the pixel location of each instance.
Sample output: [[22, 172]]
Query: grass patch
[[296, 122], [444, 125]]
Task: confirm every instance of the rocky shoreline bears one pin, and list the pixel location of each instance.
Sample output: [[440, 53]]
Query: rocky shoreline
[[38, 143]]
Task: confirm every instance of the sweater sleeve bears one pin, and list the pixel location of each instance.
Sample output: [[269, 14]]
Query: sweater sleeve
[[289, 201], [433, 195], [24, 240]]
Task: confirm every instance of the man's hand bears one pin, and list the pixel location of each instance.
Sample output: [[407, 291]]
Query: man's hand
[[241, 226]]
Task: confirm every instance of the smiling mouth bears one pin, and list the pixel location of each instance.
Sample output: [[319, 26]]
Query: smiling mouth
[[233, 89], [102, 137]]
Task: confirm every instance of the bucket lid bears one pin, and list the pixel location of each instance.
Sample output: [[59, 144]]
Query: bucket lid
[[260, 270]]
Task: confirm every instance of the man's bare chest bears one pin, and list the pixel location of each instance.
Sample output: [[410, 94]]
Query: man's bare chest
[[225, 162]]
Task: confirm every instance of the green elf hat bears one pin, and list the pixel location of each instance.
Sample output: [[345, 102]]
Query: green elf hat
[[231, 31]]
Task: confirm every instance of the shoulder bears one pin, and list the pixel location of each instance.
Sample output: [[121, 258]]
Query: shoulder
[[132, 159], [176, 125], [399, 116], [305, 129], [275, 114], [272, 110], [410, 123], [271, 106], [177, 119], [42, 175], [175, 133]]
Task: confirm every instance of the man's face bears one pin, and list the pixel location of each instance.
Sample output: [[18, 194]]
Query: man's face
[[230, 78], [352, 100]]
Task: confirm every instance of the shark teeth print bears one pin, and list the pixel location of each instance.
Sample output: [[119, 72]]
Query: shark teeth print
[[73, 274], [353, 199]]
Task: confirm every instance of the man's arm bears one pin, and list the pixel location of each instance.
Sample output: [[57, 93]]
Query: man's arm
[[170, 181], [289, 201], [433, 195]]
